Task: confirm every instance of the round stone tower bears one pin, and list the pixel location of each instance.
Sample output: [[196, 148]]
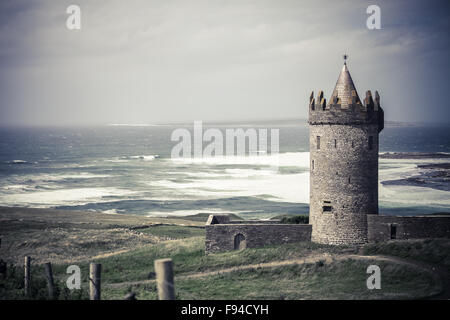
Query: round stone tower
[[343, 162]]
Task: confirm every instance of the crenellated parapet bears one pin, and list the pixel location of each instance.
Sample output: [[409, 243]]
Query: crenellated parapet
[[353, 111]]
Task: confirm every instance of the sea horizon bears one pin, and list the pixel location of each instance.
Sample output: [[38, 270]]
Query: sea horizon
[[215, 122]]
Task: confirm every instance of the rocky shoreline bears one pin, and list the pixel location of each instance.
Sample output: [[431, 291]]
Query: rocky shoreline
[[413, 155], [432, 175]]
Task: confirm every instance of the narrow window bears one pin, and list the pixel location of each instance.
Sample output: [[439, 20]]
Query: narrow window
[[318, 142], [335, 143], [349, 180], [327, 206], [393, 231], [353, 144], [370, 143], [312, 164]]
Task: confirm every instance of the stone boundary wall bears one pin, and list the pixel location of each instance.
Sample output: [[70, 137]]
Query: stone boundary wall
[[223, 237], [254, 222], [409, 227]]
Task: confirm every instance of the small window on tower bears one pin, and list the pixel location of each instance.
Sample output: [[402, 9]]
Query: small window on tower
[[370, 143], [318, 142], [312, 164], [335, 143], [327, 206], [393, 231]]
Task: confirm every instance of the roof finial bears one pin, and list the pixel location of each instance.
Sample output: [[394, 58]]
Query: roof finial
[[345, 58]]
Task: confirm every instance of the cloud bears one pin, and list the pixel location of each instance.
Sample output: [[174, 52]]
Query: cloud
[[177, 60]]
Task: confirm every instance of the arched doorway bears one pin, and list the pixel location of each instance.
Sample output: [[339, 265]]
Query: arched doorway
[[239, 242]]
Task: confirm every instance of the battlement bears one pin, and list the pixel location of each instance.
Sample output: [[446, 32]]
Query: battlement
[[352, 111]]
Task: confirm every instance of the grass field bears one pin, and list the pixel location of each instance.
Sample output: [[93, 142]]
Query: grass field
[[336, 280], [127, 248]]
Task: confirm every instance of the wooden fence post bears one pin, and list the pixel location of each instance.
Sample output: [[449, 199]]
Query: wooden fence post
[[27, 276], [164, 279], [95, 271], [51, 284]]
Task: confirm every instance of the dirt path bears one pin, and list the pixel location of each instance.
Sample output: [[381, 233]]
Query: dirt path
[[440, 275]]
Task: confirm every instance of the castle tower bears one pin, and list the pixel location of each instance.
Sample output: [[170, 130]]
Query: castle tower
[[343, 162]]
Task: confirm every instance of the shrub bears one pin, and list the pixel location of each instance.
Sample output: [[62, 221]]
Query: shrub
[[300, 219]]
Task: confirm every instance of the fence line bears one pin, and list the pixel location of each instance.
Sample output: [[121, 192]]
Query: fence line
[[163, 270]]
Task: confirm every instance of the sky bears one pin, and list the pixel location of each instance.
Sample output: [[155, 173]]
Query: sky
[[144, 61]]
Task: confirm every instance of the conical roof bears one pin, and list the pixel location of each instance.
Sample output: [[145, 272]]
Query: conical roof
[[345, 88]]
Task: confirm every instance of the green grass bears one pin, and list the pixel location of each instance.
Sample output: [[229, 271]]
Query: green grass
[[174, 232], [336, 280], [12, 288], [345, 279], [189, 256], [293, 219], [435, 251]]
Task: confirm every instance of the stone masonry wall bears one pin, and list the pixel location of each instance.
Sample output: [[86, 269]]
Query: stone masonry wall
[[221, 237], [379, 227], [343, 180]]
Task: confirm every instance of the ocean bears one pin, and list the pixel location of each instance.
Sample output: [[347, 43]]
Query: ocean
[[129, 170]]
